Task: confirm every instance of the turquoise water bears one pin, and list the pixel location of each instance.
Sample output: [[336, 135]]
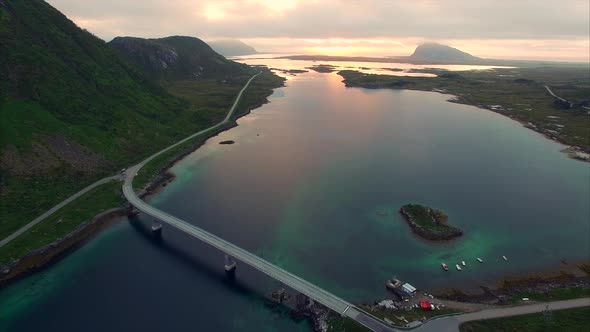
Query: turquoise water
[[313, 184]]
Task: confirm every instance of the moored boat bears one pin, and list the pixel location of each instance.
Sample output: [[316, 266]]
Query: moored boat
[[445, 266], [393, 283]]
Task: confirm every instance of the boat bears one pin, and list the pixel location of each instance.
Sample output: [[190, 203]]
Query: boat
[[479, 260], [393, 283], [445, 266], [463, 263], [458, 267], [505, 258]]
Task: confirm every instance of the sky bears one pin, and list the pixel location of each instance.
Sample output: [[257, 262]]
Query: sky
[[505, 29]]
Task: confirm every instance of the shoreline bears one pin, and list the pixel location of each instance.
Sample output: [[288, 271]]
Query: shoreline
[[48, 255], [571, 275], [573, 151]]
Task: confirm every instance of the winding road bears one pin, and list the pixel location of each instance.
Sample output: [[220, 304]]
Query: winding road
[[119, 177], [57, 207], [452, 323]]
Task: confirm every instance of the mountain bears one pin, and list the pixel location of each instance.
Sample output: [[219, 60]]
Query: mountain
[[72, 110], [232, 47], [176, 58], [437, 53]]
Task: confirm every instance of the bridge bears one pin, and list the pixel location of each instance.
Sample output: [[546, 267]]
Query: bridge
[[298, 284]]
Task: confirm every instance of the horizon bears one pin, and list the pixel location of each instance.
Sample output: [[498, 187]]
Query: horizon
[[488, 30]]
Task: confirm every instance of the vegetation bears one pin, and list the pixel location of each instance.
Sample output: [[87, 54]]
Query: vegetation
[[64, 221], [73, 111], [555, 294], [322, 68], [253, 97], [563, 320], [346, 324], [178, 58], [338, 324], [70, 111], [515, 92], [429, 223]]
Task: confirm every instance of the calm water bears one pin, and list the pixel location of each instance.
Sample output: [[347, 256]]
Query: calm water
[[313, 184]]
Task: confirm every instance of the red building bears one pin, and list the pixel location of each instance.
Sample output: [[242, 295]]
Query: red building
[[425, 305]]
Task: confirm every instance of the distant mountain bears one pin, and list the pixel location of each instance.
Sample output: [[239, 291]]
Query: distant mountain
[[437, 53], [176, 58], [232, 47]]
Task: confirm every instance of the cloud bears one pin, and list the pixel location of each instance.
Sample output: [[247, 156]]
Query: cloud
[[336, 19]]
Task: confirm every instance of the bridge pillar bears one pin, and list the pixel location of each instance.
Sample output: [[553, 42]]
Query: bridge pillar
[[230, 266], [156, 227]]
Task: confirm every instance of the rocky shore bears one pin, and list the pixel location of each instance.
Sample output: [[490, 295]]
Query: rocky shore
[[573, 151], [51, 253], [574, 280]]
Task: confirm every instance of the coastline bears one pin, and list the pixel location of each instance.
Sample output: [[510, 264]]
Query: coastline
[[573, 151], [52, 253]]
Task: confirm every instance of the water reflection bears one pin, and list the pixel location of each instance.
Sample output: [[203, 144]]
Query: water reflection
[[383, 68]]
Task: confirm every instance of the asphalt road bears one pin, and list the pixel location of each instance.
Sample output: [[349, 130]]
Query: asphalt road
[[452, 323], [57, 207], [132, 170]]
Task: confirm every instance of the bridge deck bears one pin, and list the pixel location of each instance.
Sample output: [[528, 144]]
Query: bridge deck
[[312, 291]]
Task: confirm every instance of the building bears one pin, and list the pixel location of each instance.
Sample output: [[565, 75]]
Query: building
[[425, 305], [409, 289]]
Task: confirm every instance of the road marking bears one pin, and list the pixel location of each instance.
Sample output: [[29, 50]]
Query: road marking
[[345, 310]]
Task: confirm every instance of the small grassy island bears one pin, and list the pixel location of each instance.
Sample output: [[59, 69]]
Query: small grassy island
[[431, 224], [323, 68]]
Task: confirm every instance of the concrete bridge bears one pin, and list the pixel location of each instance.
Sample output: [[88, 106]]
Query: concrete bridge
[[312, 291]]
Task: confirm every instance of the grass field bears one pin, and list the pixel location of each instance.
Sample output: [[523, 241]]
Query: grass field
[[571, 320], [556, 294], [64, 221]]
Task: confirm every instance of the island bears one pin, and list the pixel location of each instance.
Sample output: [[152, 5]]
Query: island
[[428, 223], [323, 68], [291, 71]]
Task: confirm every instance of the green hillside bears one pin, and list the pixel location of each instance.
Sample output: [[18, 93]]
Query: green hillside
[[177, 58], [72, 110]]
